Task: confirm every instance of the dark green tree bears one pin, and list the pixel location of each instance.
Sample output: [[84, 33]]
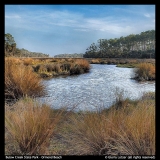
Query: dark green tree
[[10, 45], [132, 46]]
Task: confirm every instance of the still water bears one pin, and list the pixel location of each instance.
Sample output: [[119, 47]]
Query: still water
[[98, 88]]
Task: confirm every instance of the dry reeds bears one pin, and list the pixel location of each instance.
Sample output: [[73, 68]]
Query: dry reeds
[[58, 66], [136, 135], [63, 66], [29, 126], [83, 64], [21, 81], [95, 61], [28, 61], [145, 71], [13, 60], [126, 131], [79, 66]]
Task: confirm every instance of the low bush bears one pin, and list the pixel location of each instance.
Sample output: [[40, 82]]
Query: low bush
[[145, 71]]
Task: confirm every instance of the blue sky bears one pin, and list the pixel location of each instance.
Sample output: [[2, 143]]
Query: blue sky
[[59, 29]]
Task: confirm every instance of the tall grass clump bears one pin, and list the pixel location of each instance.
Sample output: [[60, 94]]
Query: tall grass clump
[[148, 96], [13, 60], [95, 61], [20, 80], [28, 61], [84, 64], [85, 134], [136, 135], [62, 67], [145, 71], [29, 125], [124, 131], [79, 66]]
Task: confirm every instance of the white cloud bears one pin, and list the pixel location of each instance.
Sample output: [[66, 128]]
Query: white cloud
[[79, 29], [64, 27], [147, 15], [35, 21], [12, 16], [50, 21]]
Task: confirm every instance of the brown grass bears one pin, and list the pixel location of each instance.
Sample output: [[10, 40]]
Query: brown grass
[[79, 66], [95, 61], [126, 131], [120, 62], [63, 67], [54, 66], [145, 71], [20, 80], [28, 61], [29, 126], [136, 135], [13, 60], [83, 64]]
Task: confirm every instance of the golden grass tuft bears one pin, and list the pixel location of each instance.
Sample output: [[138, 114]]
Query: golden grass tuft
[[95, 61], [126, 131], [20, 80], [145, 71], [61, 66], [87, 134], [136, 135], [28, 61], [13, 60], [84, 64], [29, 125]]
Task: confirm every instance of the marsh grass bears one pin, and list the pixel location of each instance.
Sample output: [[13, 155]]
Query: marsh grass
[[13, 60], [29, 126], [148, 96], [63, 67], [128, 130], [83, 64], [20, 80], [136, 135], [120, 62], [28, 61], [145, 71], [95, 61]]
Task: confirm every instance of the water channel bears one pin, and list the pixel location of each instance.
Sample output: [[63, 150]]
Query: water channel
[[98, 88]]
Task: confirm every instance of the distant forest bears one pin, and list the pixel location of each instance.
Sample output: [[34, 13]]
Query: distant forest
[[74, 55], [11, 49], [132, 46]]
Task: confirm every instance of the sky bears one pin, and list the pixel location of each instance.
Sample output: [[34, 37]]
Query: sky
[[59, 29]]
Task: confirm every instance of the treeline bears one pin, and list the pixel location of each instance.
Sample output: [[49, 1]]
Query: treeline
[[74, 55], [25, 53], [132, 46], [11, 49]]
